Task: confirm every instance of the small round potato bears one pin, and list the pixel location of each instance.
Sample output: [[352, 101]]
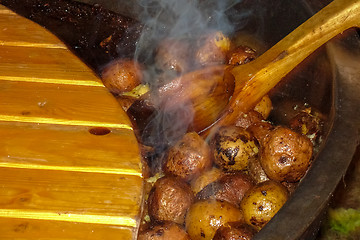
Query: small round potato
[[122, 75], [173, 55], [262, 202], [206, 216], [169, 200], [235, 231], [212, 49], [230, 188], [164, 231], [286, 155], [233, 147], [189, 157]]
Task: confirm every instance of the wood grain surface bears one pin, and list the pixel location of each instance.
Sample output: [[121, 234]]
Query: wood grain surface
[[58, 180]]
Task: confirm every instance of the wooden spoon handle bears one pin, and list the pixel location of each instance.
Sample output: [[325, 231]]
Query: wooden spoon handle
[[273, 65]]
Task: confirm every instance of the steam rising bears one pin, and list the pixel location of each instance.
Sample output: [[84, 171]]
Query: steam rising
[[182, 20]]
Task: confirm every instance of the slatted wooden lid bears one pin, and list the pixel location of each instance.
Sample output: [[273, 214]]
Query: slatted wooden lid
[[57, 180]]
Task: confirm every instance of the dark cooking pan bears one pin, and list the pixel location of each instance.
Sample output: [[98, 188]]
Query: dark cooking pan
[[328, 80]]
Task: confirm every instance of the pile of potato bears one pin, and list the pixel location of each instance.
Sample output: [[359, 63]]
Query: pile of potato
[[229, 185]]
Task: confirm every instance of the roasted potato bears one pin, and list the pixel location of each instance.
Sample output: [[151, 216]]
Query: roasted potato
[[212, 49], [122, 75], [235, 231], [245, 120], [286, 155], [189, 157], [169, 200], [262, 202], [173, 55], [230, 188], [164, 231], [206, 216], [233, 147]]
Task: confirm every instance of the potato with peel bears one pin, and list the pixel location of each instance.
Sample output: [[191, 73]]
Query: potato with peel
[[212, 49], [206, 216], [262, 202], [233, 147]]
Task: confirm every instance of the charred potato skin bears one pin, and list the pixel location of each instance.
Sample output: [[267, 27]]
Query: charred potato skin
[[206, 216], [169, 200], [286, 155], [122, 75], [235, 231], [189, 157], [233, 147], [262, 202], [164, 231], [230, 188]]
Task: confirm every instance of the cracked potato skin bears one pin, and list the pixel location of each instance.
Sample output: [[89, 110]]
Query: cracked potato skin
[[286, 155], [188, 158], [262, 202], [169, 200], [233, 147], [206, 216]]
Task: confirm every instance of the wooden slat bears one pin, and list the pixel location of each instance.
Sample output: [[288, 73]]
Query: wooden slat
[[57, 195], [57, 180], [30, 229], [16, 32], [42, 64], [62, 103], [71, 149]]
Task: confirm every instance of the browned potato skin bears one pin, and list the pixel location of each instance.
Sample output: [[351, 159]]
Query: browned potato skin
[[286, 155], [233, 147], [164, 231], [245, 120], [241, 55], [235, 231], [169, 200], [189, 157], [230, 188], [208, 52], [206, 216], [122, 75], [262, 202]]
